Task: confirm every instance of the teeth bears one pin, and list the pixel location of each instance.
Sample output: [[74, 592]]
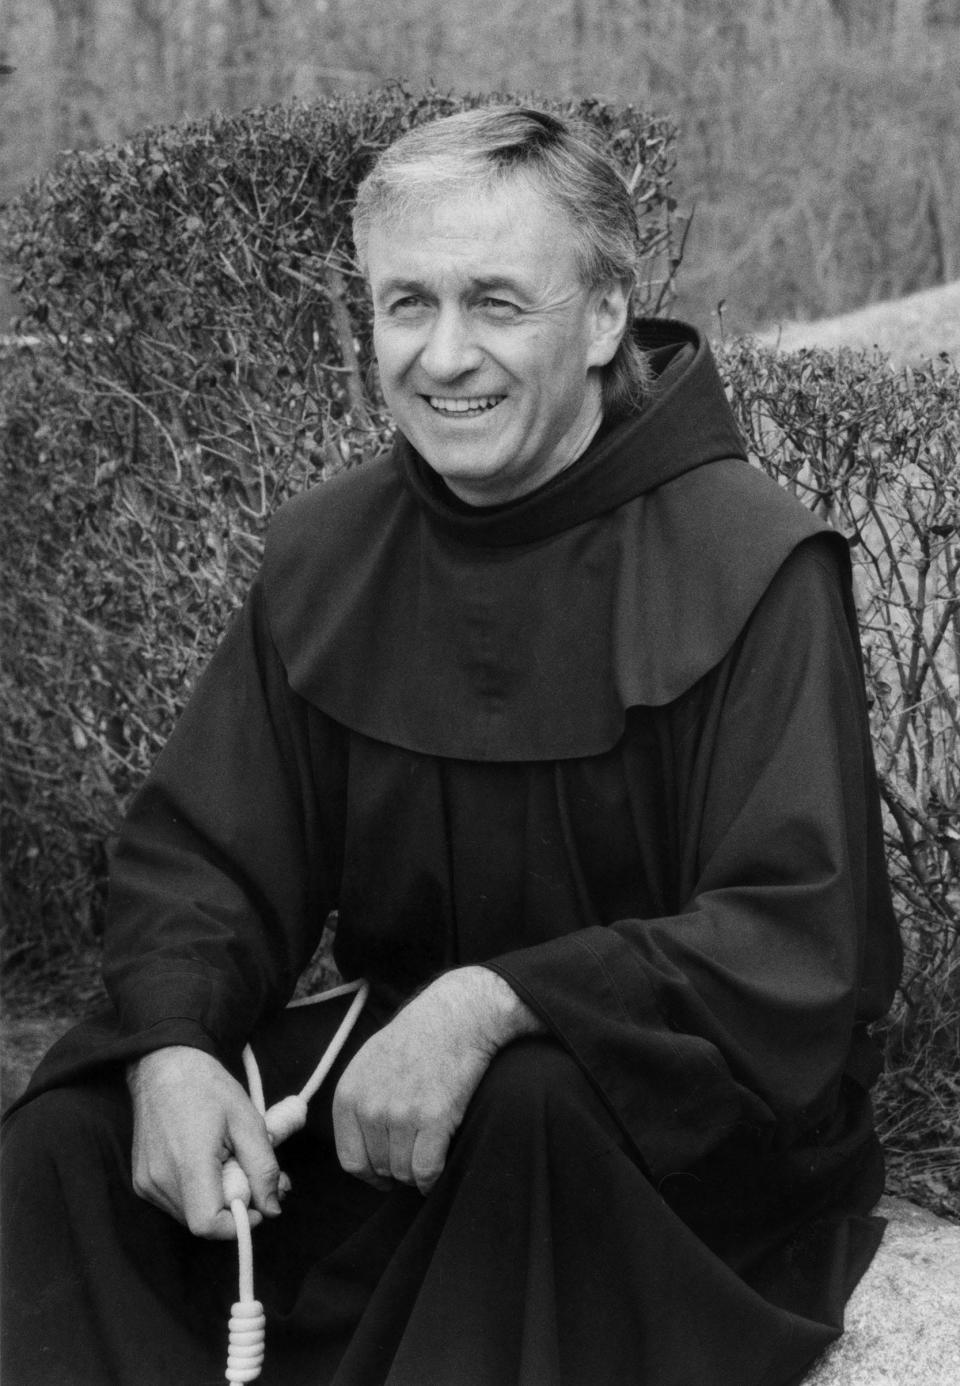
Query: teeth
[[463, 406]]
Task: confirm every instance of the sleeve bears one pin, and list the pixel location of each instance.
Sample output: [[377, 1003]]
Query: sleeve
[[226, 864], [746, 1005]]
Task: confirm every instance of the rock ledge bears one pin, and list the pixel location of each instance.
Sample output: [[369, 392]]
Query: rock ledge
[[903, 1320]]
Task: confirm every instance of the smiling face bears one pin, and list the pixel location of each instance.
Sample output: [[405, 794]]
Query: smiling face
[[490, 349]]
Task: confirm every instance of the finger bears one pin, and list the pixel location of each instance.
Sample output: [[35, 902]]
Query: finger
[[377, 1140], [348, 1138], [377, 1181], [223, 1228], [255, 1155], [202, 1200], [377, 1145], [428, 1157], [402, 1141], [352, 1150], [171, 1198]]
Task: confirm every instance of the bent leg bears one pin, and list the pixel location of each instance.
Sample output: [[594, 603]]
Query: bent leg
[[544, 1257], [102, 1289], [99, 1287]]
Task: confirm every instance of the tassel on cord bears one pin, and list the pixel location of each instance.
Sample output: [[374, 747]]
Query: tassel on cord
[[247, 1327]]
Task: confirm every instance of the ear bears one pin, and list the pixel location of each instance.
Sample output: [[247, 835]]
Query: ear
[[610, 320]]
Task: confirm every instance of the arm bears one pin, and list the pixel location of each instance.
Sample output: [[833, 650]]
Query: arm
[[747, 999], [219, 890], [228, 860]]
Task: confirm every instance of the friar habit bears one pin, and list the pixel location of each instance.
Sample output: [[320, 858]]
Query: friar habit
[[608, 739]]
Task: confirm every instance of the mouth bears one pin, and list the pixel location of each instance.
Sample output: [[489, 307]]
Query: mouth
[[459, 407]]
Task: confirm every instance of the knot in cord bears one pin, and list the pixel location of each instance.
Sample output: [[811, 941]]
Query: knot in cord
[[286, 1117], [247, 1326]]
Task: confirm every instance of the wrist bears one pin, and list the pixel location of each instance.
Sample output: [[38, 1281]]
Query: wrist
[[502, 1015], [171, 1062]]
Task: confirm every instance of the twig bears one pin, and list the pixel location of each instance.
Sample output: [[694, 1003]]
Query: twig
[[336, 292]]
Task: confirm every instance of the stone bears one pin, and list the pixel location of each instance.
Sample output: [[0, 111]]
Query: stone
[[24, 1043], [903, 1320]]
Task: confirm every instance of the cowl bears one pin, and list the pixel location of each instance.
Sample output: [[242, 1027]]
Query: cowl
[[526, 631]]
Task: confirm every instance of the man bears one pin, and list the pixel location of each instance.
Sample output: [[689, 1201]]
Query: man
[[560, 707]]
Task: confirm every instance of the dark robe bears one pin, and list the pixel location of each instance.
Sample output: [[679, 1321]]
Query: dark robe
[[611, 741]]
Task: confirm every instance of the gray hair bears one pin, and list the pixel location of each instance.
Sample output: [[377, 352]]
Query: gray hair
[[477, 151]]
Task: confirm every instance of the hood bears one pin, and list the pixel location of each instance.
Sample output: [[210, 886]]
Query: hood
[[526, 631]]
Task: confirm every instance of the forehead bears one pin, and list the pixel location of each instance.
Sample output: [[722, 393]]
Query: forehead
[[512, 232]]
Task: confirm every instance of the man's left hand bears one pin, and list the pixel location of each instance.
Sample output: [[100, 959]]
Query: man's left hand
[[404, 1094]]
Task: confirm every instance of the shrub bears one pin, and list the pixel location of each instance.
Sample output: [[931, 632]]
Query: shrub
[[877, 453]]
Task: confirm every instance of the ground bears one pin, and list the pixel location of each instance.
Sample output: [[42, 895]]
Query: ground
[[908, 330]]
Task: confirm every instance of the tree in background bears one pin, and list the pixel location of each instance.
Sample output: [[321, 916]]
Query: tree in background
[[819, 138]]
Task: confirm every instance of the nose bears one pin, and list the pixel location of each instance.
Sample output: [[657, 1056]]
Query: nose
[[450, 349]]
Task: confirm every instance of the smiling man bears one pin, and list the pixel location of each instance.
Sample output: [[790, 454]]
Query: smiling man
[[560, 707], [490, 349]]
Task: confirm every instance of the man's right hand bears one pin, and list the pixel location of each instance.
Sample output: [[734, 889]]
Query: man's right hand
[[190, 1115]]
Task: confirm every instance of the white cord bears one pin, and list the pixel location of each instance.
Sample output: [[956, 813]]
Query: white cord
[[247, 1327]]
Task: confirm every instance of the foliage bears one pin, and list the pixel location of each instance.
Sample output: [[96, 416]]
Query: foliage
[[199, 282], [201, 348], [877, 454], [818, 138]]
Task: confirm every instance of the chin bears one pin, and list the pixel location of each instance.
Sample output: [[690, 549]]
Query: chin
[[458, 464]]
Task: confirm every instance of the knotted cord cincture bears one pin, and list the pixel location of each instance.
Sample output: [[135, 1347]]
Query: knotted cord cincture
[[247, 1326]]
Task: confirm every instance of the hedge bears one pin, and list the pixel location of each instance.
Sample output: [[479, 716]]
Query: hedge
[[876, 452], [201, 351]]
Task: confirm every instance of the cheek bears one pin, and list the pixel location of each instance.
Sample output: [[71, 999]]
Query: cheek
[[392, 351]]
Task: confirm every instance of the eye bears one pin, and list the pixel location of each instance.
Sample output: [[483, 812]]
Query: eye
[[410, 305], [500, 308]]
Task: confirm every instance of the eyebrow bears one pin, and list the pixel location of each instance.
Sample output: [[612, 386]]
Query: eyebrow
[[500, 281], [482, 284], [401, 286]]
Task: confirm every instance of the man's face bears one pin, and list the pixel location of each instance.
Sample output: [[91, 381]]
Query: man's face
[[489, 347]]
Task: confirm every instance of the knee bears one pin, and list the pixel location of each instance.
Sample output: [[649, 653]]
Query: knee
[[533, 1081], [67, 1126]]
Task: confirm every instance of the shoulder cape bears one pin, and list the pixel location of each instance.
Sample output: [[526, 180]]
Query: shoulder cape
[[526, 631]]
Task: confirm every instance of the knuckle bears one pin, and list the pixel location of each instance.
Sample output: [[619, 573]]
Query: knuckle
[[266, 1167], [399, 1122], [371, 1111]]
